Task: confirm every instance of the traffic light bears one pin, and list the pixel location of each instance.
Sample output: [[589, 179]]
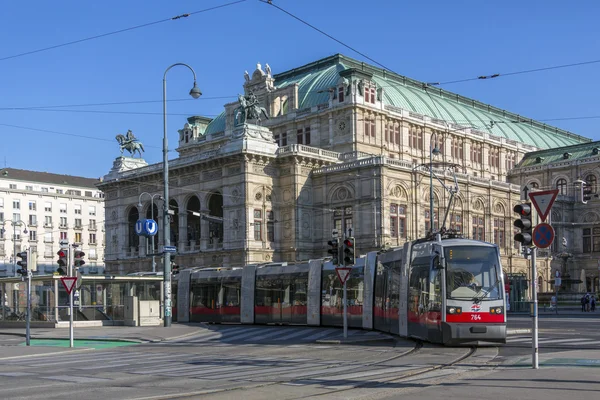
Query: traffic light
[[349, 257], [22, 263], [586, 192], [523, 223], [174, 266], [62, 262], [334, 251], [78, 258]]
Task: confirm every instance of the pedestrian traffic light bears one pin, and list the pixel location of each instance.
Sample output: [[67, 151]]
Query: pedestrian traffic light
[[334, 251], [78, 260], [348, 253], [22, 263], [62, 261], [523, 223], [586, 192]]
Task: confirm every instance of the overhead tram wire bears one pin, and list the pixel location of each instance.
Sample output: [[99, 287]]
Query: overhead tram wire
[[177, 17]]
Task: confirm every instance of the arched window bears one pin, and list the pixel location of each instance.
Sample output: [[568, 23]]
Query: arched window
[[561, 185], [592, 181], [534, 185]]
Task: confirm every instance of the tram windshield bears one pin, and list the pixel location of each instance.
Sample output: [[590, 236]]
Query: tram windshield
[[473, 273]]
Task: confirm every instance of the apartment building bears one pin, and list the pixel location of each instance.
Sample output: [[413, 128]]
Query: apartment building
[[39, 209]]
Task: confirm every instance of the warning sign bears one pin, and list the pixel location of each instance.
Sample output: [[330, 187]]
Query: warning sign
[[343, 273], [69, 283], [542, 201]]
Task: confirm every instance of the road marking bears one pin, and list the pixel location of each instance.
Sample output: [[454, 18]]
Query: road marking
[[302, 332]]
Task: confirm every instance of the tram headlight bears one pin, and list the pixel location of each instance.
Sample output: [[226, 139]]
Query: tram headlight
[[453, 310], [496, 310]]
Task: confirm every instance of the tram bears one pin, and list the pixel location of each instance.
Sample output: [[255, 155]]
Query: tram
[[444, 289]]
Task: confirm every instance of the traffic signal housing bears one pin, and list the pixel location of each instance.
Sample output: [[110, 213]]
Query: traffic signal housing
[[348, 253], [524, 224], [334, 251], [78, 260], [22, 263], [62, 262]]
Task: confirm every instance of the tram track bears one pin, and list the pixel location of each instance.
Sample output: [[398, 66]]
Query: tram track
[[382, 380]]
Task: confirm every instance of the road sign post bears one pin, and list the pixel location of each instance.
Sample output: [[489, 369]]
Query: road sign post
[[343, 274], [69, 284]]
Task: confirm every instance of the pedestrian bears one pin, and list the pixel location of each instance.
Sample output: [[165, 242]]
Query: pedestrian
[[593, 302], [587, 302], [583, 303]]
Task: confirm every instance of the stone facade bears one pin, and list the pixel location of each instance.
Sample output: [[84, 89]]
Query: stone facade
[[577, 256], [340, 157]]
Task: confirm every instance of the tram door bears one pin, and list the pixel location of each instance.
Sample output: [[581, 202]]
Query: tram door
[[280, 296], [387, 296]]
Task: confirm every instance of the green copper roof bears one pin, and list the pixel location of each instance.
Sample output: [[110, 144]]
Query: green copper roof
[[551, 156], [315, 79]]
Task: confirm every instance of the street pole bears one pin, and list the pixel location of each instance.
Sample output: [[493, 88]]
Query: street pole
[[432, 150], [70, 274], [28, 317], [195, 93], [345, 311], [534, 311]]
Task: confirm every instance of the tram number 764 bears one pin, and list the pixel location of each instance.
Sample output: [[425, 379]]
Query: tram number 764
[[475, 317]]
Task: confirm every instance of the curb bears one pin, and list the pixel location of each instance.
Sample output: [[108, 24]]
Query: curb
[[355, 341], [518, 331]]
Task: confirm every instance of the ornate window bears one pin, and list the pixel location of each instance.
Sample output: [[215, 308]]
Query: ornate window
[[281, 139], [436, 220], [478, 227], [398, 221], [257, 224], [561, 185], [370, 127], [270, 226], [342, 219], [592, 181], [456, 222], [303, 135], [476, 153], [499, 232], [341, 94], [534, 185], [591, 240]]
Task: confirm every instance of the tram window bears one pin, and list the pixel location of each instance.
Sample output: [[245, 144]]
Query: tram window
[[472, 271]]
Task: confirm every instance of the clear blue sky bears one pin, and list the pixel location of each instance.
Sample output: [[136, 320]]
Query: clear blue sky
[[432, 41]]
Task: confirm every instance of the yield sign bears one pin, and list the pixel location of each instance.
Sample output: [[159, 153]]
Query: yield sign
[[343, 273], [69, 283], [542, 201]]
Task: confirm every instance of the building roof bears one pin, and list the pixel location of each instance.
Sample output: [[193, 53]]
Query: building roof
[[551, 156], [46, 177], [316, 78]]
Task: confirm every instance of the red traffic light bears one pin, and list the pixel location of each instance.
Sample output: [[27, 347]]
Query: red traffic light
[[61, 253], [348, 243], [523, 209]]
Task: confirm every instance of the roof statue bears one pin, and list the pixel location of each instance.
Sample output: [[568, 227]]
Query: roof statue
[[250, 108], [259, 69], [130, 143], [268, 70], [246, 76]]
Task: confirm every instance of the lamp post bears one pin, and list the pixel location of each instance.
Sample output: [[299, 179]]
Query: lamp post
[[195, 93], [432, 151], [152, 196], [14, 239]]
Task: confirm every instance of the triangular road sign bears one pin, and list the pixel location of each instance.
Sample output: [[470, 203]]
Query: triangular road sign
[[69, 283], [542, 201], [343, 273]]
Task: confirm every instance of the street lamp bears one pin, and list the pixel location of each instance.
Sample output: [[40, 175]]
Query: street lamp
[[195, 93], [152, 196], [432, 151], [14, 238]]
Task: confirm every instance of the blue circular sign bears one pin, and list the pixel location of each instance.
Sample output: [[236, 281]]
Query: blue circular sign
[[543, 235], [146, 227]]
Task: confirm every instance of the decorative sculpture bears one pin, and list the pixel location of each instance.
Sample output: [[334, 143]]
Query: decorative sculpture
[[130, 143], [268, 70], [250, 108], [246, 76]]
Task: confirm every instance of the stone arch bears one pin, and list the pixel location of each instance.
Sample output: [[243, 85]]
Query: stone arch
[[174, 221], [557, 179], [478, 205], [590, 216], [215, 208], [499, 208], [193, 221], [398, 190], [343, 192], [133, 214], [556, 216], [533, 183]]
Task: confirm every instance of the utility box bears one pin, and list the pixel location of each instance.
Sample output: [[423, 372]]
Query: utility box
[[141, 313]]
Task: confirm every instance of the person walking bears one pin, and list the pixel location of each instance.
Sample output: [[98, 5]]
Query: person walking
[[583, 303], [593, 303]]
